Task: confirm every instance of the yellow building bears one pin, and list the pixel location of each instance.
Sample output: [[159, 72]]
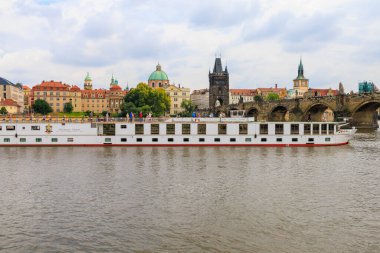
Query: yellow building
[[177, 95], [94, 100], [11, 106], [12, 91]]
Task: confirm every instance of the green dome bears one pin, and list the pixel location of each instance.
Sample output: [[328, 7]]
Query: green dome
[[158, 75]]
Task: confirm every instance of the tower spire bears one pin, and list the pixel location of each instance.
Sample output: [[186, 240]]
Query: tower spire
[[300, 70]]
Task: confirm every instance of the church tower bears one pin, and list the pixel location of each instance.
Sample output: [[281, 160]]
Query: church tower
[[114, 81], [219, 85], [300, 84], [88, 82]]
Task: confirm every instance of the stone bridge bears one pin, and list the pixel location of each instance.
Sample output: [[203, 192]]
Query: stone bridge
[[360, 109]]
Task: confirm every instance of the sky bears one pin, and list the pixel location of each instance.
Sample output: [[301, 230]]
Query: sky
[[260, 41]]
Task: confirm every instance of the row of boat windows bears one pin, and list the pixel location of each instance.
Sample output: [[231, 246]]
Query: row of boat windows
[[243, 129], [109, 140]]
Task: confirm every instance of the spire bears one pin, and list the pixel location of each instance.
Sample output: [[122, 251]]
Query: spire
[[226, 70], [158, 67], [218, 66], [300, 70]]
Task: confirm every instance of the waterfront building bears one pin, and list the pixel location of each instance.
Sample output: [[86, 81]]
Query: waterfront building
[[158, 78], [177, 94], [200, 99], [300, 84], [94, 100], [57, 94], [281, 92], [27, 98], [12, 91], [11, 106], [219, 85], [115, 96], [242, 95], [321, 92]]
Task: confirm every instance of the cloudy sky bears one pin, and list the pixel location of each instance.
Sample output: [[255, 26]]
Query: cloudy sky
[[261, 41]]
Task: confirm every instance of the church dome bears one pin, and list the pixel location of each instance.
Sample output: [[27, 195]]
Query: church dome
[[158, 75]]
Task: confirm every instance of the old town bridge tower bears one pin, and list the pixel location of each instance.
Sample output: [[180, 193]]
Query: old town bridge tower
[[219, 85]]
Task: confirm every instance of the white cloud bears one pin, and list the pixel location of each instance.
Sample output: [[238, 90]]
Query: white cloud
[[261, 41]]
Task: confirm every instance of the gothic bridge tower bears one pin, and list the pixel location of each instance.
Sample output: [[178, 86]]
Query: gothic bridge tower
[[219, 85]]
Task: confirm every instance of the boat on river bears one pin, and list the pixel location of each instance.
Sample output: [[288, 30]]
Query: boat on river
[[170, 132]]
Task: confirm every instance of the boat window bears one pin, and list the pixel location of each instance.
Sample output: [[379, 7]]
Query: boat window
[[107, 139], [279, 139], [306, 129], [38, 140], [263, 128], [248, 139], [54, 139], [185, 139], [243, 128], [35, 127], [123, 139], [7, 140], [279, 128], [201, 139], [310, 140], [222, 128], [170, 139], [186, 128], [170, 129], [11, 128], [294, 129], [315, 129], [327, 139], [263, 139], [154, 129], [331, 128], [324, 129], [139, 139], [123, 126], [22, 139], [201, 128], [294, 139], [109, 129], [70, 139], [216, 139], [232, 139], [139, 129], [154, 139]]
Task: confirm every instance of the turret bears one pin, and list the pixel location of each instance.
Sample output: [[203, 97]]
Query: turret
[[88, 82]]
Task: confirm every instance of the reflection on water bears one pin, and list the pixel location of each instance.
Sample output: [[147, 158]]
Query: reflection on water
[[222, 199]]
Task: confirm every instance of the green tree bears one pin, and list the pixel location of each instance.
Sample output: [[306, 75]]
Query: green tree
[[272, 97], [41, 106], [258, 98], [146, 99], [188, 107], [3, 110], [68, 107]]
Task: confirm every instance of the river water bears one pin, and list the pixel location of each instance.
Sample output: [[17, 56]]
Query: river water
[[191, 199]]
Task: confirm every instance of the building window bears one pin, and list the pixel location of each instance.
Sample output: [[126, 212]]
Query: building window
[[279, 128], [170, 129], [175, 106], [186, 128], [201, 128], [154, 129], [139, 129], [222, 128], [263, 128], [294, 129], [243, 128]]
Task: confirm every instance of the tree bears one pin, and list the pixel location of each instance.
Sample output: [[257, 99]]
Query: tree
[[146, 99], [3, 110], [188, 107], [68, 107], [41, 106], [273, 97], [258, 98]]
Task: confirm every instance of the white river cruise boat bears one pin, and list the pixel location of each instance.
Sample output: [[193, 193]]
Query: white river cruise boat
[[171, 132]]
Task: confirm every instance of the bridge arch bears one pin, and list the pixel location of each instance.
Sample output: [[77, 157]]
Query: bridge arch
[[253, 112], [319, 112], [279, 113], [365, 114]]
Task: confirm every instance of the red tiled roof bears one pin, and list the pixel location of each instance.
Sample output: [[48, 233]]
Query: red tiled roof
[[8, 102], [246, 92], [115, 88], [324, 92], [24, 87], [51, 85], [74, 88]]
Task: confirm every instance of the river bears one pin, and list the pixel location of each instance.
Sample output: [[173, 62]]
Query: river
[[191, 199]]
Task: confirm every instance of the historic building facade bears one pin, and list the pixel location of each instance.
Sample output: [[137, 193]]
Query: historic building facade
[[11, 91], [177, 94], [219, 85], [158, 78], [242, 95], [300, 84]]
